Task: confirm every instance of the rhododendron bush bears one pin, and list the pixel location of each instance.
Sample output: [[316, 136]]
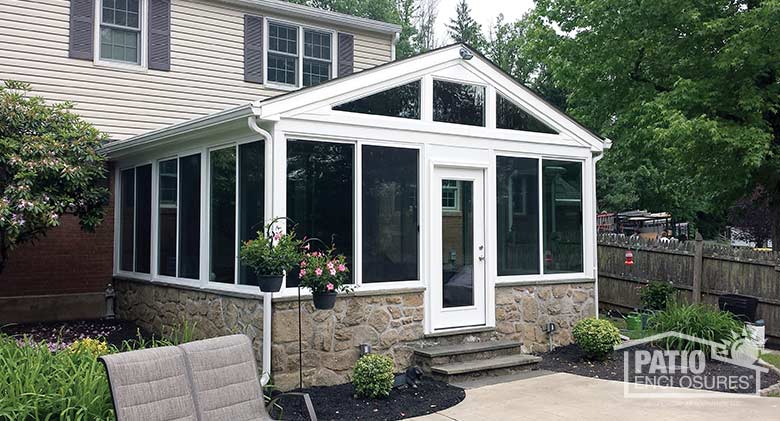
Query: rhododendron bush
[[49, 166]]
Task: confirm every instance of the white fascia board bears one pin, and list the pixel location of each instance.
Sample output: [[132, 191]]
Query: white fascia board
[[319, 15]]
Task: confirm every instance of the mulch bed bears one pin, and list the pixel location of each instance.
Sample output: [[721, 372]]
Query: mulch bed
[[570, 359], [62, 334], [339, 403]]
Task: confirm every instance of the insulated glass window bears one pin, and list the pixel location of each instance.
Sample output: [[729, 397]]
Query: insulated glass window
[[143, 218], [316, 57], [251, 197], [189, 217], [562, 217], [120, 31], [222, 202], [320, 201], [510, 116], [390, 214], [282, 53], [402, 101], [517, 183], [167, 217], [458, 103], [127, 220]]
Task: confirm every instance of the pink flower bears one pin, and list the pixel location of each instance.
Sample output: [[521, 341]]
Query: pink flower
[[342, 268], [277, 236], [303, 263], [329, 287], [330, 265], [332, 272], [307, 246], [302, 273], [318, 271]]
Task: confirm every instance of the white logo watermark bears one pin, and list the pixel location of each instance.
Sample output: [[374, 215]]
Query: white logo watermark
[[650, 372]]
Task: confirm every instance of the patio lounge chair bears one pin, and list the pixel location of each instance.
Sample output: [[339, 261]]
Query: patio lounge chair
[[209, 380]]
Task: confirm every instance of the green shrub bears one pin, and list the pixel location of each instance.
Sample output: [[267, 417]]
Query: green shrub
[[597, 337], [699, 320], [656, 294], [373, 376]]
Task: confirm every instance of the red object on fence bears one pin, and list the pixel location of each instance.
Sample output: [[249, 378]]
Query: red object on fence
[[548, 256], [629, 257]]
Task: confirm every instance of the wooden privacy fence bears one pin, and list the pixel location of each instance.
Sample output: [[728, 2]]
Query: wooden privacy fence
[[700, 271]]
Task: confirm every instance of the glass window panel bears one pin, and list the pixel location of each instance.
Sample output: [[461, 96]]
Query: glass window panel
[[143, 218], [457, 232], [390, 222], [223, 216], [189, 217], [402, 101], [517, 182], [315, 72], [319, 193], [458, 103], [282, 69], [562, 216], [120, 18], [127, 220], [108, 15], [167, 216], [449, 195], [316, 45], [251, 197], [510, 116], [283, 38]]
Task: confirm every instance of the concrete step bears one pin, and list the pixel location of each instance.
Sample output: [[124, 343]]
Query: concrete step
[[498, 366], [446, 354]]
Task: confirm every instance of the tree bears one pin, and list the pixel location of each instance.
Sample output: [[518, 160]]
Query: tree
[[49, 166], [426, 26], [752, 216], [689, 92], [407, 12], [463, 28]]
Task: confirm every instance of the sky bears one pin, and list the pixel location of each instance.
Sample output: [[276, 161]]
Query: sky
[[483, 11]]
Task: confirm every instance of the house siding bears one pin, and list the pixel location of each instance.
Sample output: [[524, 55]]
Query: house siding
[[206, 75]]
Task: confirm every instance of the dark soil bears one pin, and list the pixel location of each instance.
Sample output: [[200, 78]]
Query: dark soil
[[570, 359], [62, 334], [339, 402]]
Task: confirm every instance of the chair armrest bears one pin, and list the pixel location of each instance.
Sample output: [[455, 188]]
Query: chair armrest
[[306, 401]]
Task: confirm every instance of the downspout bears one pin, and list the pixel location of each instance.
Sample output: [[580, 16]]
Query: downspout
[[393, 44], [596, 159], [267, 297]]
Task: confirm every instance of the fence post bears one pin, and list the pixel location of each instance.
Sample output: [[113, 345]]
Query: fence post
[[698, 258]]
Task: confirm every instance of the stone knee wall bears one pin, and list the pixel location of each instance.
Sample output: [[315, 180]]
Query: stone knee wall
[[523, 312], [330, 338], [159, 308]]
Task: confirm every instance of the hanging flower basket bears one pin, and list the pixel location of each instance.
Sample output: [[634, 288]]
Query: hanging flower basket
[[270, 283], [324, 300], [270, 255]]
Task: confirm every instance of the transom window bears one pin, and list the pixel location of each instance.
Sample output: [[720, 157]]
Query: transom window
[[458, 103], [120, 31], [285, 53]]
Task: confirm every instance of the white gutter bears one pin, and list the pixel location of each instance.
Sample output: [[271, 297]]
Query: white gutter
[[268, 296], [596, 159]]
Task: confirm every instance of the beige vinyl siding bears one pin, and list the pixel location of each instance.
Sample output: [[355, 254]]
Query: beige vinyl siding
[[206, 75]]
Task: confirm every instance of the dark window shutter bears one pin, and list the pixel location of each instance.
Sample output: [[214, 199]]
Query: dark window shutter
[[346, 54], [253, 48], [82, 22], [160, 34]]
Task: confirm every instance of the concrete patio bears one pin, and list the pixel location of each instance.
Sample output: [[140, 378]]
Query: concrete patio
[[561, 396]]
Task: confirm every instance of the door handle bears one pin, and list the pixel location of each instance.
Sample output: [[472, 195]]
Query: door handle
[[481, 258]]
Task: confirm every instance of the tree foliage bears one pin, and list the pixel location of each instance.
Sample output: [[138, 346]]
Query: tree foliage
[[49, 166], [463, 28]]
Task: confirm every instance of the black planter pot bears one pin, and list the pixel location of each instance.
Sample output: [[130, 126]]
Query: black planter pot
[[269, 283], [324, 300]]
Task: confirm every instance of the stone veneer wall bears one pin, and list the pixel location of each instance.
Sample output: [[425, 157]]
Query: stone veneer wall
[[390, 322], [159, 308]]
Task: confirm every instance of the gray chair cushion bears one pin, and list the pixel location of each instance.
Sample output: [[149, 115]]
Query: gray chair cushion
[[151, 385], [224, 379]]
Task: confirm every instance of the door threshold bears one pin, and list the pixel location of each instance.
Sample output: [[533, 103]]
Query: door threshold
[[459, 331]]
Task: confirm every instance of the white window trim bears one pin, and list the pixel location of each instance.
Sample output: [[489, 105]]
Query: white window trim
[[143, 66], [299, 70]]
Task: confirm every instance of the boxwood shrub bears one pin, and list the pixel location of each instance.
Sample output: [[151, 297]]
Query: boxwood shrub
[[373, 376], [596, 337]]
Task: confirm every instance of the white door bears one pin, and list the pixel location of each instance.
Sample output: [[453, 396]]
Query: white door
[[458, 248]]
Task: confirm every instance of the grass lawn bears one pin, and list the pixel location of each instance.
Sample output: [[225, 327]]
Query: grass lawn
[[772, 358], [620, 323]]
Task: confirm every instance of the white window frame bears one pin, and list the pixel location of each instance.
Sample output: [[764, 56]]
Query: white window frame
[[456, 197], [118, 218], [301, 40], [143, 21]]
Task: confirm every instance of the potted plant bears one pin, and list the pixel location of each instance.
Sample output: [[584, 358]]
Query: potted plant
[[325, 274], [271, 255]]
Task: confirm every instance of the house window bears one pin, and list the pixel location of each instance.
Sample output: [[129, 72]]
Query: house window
[[390, 237], [179, 217], [320, 203], [285, 52], [458, 103], [517, 215], [510, 116], [562, 217], [234, 169], [402, 101], [450, 192], [135, 214], [120, 31]]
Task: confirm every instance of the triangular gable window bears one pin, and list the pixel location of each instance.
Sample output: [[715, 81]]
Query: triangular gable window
[[402, 101], [510, 116]]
